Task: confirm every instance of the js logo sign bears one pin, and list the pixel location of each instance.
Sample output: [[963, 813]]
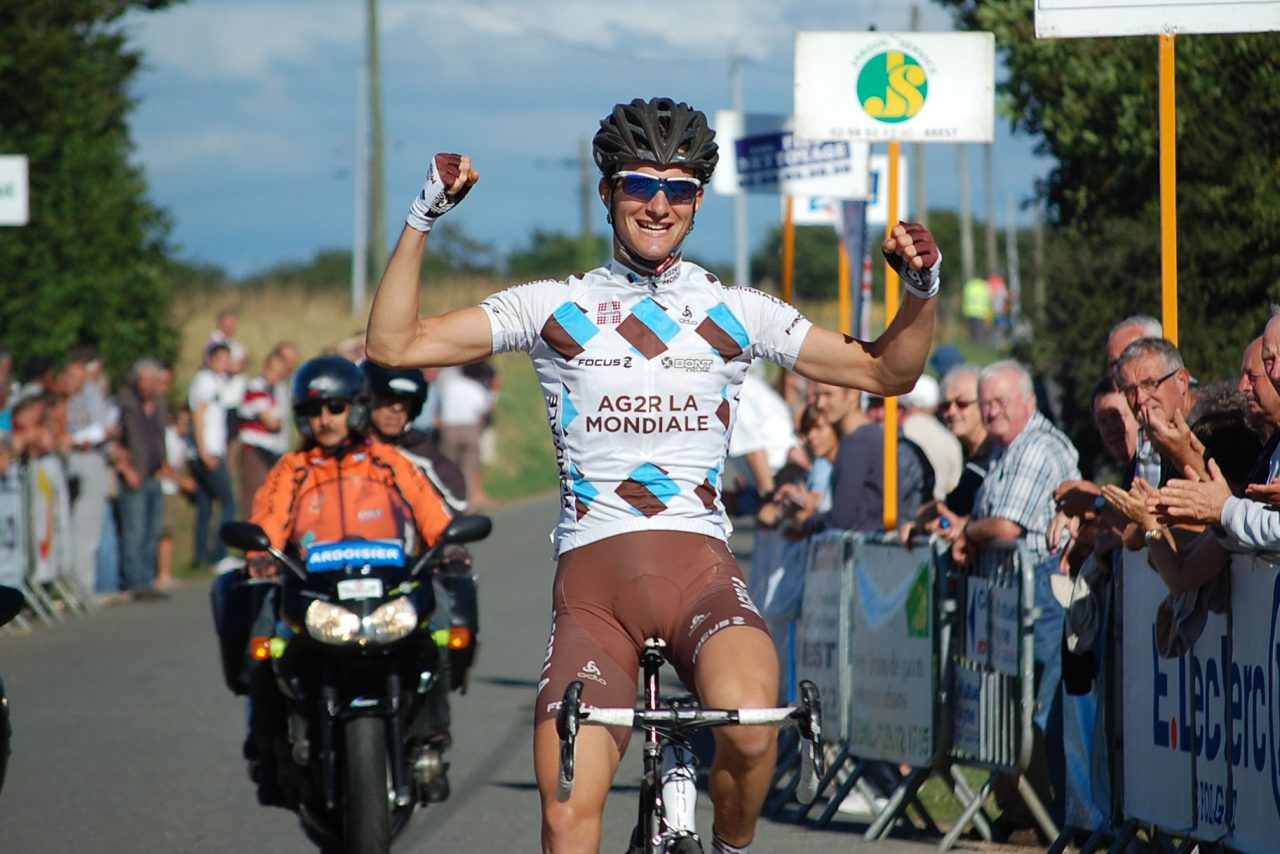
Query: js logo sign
[[892, 86]]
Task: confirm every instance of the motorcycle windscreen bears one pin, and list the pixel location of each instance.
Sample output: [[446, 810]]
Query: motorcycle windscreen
[[353, 509]]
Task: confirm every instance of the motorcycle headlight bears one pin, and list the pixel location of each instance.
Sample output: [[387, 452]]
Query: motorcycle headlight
[[332, 623], [391, 621]]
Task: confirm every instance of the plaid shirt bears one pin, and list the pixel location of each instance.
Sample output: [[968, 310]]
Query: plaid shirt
[[1021, 480]]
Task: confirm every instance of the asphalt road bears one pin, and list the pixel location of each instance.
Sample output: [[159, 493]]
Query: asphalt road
[[126, 740]]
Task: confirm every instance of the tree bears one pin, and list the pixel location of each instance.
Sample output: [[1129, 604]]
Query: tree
[[1092, 103], [87, 269], [553, 254]]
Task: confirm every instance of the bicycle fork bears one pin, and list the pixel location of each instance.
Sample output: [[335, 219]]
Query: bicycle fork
[[670, 770]]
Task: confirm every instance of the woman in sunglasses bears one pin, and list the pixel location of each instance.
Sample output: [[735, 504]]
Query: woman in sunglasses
[[640, 362]]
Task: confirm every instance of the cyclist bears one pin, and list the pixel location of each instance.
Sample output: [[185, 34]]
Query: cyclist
[[398, 398], [342, 484], [640, 362]]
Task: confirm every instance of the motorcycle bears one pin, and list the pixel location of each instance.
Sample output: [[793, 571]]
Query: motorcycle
[[352, 657], [11, 604]]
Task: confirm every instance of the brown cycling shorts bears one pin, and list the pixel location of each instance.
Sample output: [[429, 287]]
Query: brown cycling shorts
[[613, 594]]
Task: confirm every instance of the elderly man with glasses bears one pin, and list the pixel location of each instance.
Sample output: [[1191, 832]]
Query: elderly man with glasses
[[1159, 390], [1016, 502]]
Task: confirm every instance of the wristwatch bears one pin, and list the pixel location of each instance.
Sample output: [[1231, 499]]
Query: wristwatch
[[1153, 534], [1099, 503]]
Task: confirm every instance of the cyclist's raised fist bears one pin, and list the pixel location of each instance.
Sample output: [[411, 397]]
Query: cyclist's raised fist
[[449, 178], [913, 253]]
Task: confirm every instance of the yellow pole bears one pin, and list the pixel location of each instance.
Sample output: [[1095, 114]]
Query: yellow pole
[[891, 403], [1168, 190], [788, 251], [846, 298]]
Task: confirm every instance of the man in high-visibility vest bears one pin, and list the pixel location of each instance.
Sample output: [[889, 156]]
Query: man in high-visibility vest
[[975, 305]]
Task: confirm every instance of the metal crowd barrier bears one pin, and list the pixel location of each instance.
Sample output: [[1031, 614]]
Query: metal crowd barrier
[[922, 666], [35, 542]]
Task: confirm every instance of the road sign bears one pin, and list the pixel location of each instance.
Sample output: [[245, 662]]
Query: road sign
[[825, 210], [1084, 18], [760, 154], [13, 189], [917, 87]]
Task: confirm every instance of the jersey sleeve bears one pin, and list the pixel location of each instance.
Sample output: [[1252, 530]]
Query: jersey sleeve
[[517, 315], [775, 328], [274, 500]]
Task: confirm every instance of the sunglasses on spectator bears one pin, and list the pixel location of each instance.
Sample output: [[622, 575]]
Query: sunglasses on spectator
[[962, 405], [1148, 387], [680, 191], [313, 408]]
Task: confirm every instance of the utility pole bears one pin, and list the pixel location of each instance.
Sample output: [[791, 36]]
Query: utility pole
[[360, 213], [585, 187], [1039, 281], [966, 214], [741, 258], [993, 261], [917, 149], [377, 185]]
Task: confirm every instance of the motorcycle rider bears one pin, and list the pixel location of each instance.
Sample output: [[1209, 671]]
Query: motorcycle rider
[[398, 398], [380, 495], [640, 362]]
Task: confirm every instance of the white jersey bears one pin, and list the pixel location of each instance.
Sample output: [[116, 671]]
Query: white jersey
[[641, 378]]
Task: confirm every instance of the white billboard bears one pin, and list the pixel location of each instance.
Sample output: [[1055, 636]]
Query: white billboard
[[825, 210], [879, 87], [760, 154], [13, 189], [1086, 18]]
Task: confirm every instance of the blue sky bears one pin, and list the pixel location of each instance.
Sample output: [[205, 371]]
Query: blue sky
[[246, 109]]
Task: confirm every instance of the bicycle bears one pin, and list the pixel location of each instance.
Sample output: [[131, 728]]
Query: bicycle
[[668, 791]]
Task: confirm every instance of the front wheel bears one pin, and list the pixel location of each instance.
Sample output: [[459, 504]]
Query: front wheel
[[366, 826]]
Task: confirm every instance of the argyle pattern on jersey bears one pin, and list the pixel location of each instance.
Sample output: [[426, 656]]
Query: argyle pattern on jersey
[[568, 330], [648, 489], [648, 329], [724, 332], [584, 492]]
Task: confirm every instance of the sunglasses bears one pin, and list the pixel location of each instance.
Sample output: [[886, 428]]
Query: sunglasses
[[313, 408], [957, 403], [680, 191]]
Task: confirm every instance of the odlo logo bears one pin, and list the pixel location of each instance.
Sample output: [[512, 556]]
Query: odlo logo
[[892, 86]]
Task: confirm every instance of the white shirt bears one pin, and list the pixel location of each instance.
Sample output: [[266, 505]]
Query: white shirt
[[641, 379], [462, 401], [764, 422], [207, 388]]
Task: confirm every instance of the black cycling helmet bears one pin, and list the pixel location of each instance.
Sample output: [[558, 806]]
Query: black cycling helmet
[[331, 378], [407, 383], [659, 131]]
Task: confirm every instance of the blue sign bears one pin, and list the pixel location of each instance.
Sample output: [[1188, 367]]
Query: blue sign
[[768, 160], [327, 557]]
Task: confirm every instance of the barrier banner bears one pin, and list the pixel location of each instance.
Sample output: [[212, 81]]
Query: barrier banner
[[1253, 699], [11, 528], [1158, 773], [891, 655], [821, 633]]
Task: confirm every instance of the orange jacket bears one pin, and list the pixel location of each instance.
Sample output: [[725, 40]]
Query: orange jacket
[[372, 492]]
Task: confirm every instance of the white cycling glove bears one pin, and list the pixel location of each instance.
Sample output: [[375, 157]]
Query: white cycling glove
[[434, 200], [923, 282]]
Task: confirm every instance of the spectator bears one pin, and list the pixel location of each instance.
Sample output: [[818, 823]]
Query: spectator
[[209, 460], [1157, 386], [264, 437], [1249, 521], [975, 305], [225, 333], [143, 416], [963, 417], [1015, 502], [920, 424], [87, 464], [763, 437], [1264, 403], [175, 480], [464, 404], [857, 486], [1121, 336]]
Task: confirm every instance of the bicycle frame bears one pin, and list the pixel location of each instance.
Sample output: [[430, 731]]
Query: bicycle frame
[[667, 726]]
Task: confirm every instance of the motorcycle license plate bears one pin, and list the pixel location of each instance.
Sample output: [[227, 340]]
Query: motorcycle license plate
[[360, 588]]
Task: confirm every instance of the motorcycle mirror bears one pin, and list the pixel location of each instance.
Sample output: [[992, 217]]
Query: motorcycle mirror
[[11, 603], [245, 536], [467, 529]]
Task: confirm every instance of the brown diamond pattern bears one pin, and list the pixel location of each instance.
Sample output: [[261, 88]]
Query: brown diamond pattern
[[719, 339], [634, 331], [638, 496]]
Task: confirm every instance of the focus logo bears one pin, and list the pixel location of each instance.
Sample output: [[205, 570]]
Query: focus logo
[[892, 86]]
